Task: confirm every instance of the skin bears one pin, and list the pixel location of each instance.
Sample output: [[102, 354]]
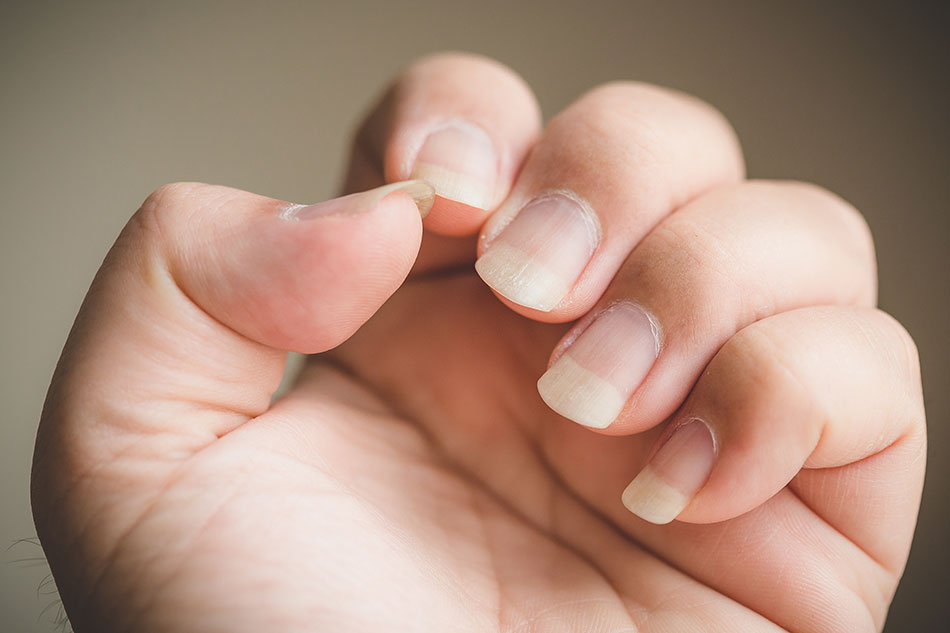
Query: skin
[[413, 479]]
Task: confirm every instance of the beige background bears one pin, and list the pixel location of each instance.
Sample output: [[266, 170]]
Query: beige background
[[100, 103]]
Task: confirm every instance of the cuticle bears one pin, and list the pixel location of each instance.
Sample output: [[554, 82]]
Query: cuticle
[[667, 434], [655, 328], [594, 230], [589, 319], [673, 427], [289, 212]]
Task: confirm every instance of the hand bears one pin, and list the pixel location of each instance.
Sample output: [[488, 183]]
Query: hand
[[414, 479]]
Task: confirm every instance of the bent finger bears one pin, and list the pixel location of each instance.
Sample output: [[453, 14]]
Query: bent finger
[[817, 389], [463, 123], [606, 171]]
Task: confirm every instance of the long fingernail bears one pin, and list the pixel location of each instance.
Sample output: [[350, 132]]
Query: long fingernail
[[460, 162], [593, 379], [536, 259], [675, 473], [421, 193]]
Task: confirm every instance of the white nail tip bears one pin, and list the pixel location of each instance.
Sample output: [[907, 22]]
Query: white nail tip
[[580, 395], [454, 186], [517, 277], [421, 193], [652, 499]]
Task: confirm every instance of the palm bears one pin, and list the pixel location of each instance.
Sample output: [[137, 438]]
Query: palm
[[429, 488]]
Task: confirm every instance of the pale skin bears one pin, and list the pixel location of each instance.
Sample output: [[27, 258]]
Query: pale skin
[[414, 479]]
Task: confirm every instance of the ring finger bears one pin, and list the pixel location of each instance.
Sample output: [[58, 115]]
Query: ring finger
[[604, 173]]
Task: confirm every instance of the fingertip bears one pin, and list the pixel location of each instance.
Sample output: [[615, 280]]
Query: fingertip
[[453, 218], [421, 193], [462, 123], [677, 470], [303, 278], [652, 499], [459, 161]]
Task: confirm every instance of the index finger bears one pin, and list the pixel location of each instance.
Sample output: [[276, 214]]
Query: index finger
[[463, 123]]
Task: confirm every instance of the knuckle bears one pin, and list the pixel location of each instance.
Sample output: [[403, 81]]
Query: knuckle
[[854, 221], [168, 210], [448, 86], [618, 139], [452, 70], [894, 349], [153, 232], [636, 134], [453, 61], [687, 265], [619, 94], [643, 103], [857, 232], [903, 351], [634, 95], [753, 372], [171, 199], [619, 108], [683, 252], [830, 221]]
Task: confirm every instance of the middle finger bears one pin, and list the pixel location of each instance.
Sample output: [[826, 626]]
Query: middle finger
[[605, 171]]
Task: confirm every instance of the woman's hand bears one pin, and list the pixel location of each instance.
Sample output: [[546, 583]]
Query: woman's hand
[[718, 334]]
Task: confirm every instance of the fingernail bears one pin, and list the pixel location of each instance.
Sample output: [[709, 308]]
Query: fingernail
[[421, 193], [675, 473], [593, 379], [536, 259], [460, 162]]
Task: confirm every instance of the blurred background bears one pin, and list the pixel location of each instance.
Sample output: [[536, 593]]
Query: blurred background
[[102, 102]]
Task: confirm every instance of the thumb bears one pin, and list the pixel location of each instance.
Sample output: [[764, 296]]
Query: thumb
[[181, 337]]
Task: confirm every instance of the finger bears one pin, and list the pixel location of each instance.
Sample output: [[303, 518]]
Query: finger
[[818, 388], [725, 260], [181, 336], [782, 560], [606, 171], [461, 122], [832, 394], [828, 398]]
